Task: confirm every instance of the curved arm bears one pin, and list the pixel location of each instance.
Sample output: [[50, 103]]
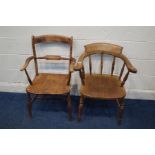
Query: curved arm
[[79, 64], [130, 67], [26, 63], [71, 69], [79, 67]]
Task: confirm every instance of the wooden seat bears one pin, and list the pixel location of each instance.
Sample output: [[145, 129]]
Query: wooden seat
[[100, 85], [105, 87], [53, 84], [49, 83]]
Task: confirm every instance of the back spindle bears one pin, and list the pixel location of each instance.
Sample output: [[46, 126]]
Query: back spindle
[[113, 65], [82, 75], [125, 78], [101, 69], [122, 70], [90, 65]]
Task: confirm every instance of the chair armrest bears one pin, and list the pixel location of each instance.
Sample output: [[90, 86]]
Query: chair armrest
[[26, 63], [78, 66], [130, 67], [72, 65]]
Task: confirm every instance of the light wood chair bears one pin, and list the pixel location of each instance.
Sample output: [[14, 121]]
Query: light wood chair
[[103, 86], [49, 83]]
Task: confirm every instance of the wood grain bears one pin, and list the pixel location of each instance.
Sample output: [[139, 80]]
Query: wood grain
[[46, 83], [102, 87]]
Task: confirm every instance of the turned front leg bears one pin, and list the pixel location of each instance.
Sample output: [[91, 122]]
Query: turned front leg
[[120, 110], [29, 104], [80, 108]]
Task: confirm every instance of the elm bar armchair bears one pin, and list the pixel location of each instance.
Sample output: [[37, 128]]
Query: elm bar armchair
[[49, 83]]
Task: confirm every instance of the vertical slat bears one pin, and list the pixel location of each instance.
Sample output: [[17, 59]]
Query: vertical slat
[[101, 69], [71, 47], [125, 78], [34, 54], [113, 66], [121, 73], [83, 72], [90, 64]]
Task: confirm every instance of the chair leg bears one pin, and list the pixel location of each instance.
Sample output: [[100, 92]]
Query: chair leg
[[29, 105], [69, 106], [120, 110], [80, 108]]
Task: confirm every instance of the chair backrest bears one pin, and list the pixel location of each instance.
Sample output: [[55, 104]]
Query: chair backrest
[[102, 49], [51, 39]]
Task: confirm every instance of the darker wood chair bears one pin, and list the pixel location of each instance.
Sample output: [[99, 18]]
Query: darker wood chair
[[49, 83], [103, 86]]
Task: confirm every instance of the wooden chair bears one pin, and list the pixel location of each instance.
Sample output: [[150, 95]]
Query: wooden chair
[[103, 86], [49, 83]]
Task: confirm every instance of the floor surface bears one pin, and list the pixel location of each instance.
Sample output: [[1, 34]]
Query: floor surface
[[49, 113]]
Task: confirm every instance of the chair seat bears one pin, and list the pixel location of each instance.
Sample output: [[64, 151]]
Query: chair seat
[[46, 83], [102, 87]]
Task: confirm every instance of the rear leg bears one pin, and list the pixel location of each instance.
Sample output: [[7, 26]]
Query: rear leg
[[69, 107], [80, 108]]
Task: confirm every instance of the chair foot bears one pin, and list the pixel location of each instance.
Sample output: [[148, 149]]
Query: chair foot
[[29, 106], [69, 107], [79, 119], [80, 109], [120, 111], [119, 121], [30, 109]]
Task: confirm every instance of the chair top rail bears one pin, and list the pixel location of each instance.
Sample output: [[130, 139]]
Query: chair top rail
[[104, 48], [52, 38]]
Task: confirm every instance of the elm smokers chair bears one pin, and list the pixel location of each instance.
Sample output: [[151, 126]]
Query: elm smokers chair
[[49, 83], [103, 86]]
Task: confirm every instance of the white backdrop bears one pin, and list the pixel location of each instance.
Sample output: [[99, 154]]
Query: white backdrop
[[138, 43]]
